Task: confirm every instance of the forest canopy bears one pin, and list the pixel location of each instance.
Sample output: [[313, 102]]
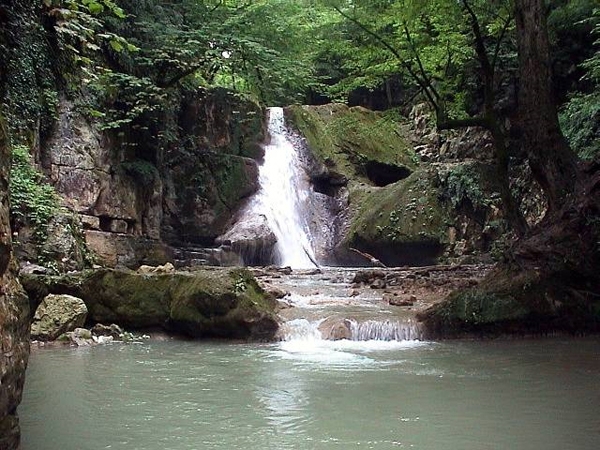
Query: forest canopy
[[458, 56]]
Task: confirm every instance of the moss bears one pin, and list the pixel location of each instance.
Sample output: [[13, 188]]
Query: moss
[[515, 301], [30, 90], [219, 302], [405, 211], [480, 307], [348, 138], [232, 180]]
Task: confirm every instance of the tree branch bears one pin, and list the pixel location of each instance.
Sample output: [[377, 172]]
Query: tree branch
[[419, 63], [479, 41], [507, 23], [423, 84]]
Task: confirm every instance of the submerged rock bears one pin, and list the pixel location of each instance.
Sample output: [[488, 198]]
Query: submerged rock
[[226, 303], [58, 314]]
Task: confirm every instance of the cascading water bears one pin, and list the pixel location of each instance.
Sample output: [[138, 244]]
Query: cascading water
[[288, 223], [282, 197], [369, 330]]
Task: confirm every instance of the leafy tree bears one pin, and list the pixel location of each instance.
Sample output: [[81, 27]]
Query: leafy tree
[[580, 118], [451, 52]]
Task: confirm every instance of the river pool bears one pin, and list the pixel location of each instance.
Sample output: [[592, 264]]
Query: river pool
[[314, 394]]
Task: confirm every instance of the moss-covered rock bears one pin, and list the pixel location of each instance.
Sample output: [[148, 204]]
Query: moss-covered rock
[[225, 303], [404, 223], [399, 209], [355, 143], [514, 302], [57, 314]]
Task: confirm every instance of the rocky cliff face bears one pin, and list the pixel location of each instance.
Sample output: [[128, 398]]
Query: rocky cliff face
[[412, 195], [14, 318], [136, 201]]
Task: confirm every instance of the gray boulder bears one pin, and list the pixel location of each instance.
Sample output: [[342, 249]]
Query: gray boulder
[[335, 329], [58, 314]]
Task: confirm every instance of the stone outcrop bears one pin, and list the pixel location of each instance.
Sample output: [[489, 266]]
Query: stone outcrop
[[57, 314], [252, 239], [515, 302], [14, 317], [225, 303], [411, 195], [136, 201]]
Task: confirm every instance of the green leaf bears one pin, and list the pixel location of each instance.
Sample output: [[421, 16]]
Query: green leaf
[[116, 45]]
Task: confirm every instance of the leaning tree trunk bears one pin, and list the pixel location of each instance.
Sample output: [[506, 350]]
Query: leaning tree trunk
[[552, 162]]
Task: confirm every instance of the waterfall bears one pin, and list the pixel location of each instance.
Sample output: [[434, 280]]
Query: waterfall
[[283, 196], [286, 222]]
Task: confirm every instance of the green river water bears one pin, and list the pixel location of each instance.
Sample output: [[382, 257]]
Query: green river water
[[312, 394]]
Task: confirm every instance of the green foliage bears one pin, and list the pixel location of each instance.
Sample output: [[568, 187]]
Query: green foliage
[[580, 117], [28, 93], [429, 45], [462, 184], [127, 99], [580, 122], [81, 30], [33, 201], [144, 172]]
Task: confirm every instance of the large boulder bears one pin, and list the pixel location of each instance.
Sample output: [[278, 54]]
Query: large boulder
[[58, 314], [252, 238], [335, 329], [225, 303]]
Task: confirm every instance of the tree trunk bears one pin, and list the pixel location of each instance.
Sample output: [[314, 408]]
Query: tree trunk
[[552, 162], [549, 280]]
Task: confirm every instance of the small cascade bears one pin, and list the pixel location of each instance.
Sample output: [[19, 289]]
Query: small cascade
[[283, 196], [386, 331], [300, 329], [370, 330]]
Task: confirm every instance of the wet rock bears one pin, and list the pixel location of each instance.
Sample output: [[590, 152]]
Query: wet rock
[[368, 276], [101, 340], [252, 239], [396, 300], [378, 284], [276, 292], [29, 268], [164, 268], [113, 330], [58, 314], [225, 303], [335, 329], [81, 337]]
